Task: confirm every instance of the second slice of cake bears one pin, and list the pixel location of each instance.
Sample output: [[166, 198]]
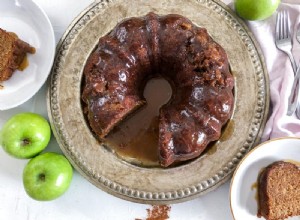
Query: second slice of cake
[[12, 53]]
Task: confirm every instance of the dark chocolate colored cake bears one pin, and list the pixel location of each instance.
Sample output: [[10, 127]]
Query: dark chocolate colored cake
[[170, 46]]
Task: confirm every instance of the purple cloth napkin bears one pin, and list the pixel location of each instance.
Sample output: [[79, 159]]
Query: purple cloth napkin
[[280, 72]]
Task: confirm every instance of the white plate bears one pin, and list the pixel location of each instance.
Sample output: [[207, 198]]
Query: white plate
[[242, 195], [32, 25]]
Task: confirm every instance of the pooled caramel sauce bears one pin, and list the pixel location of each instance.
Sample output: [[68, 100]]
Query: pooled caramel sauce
[[254, 186], [210, 149], [227, 131], [24, 64], [136, 138]]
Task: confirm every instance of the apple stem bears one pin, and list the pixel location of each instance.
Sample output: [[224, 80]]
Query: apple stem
[[42, 177], [25, 142]]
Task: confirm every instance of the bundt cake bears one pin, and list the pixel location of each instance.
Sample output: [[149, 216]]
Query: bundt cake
[[12, 53], [172, 47], [278, 191]]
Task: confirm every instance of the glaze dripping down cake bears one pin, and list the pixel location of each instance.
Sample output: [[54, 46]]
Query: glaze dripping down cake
[[12, 53], [172, 47]]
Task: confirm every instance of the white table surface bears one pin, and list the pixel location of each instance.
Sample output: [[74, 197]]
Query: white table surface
[[83, 200]]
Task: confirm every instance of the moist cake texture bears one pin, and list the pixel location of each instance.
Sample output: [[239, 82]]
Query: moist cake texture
[[279, 191], [168, 46], [12, 53]]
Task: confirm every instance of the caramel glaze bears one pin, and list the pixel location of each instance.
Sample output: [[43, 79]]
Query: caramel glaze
[[24, 64], [136, 138], [12, 54], [254, 186], [170, 46]]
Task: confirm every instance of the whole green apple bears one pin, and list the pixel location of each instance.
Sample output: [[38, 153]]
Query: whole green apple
[[255, 9], [25, 135], [47, 176]]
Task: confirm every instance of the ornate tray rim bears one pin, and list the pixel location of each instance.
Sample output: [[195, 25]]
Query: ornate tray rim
[[133, 195]]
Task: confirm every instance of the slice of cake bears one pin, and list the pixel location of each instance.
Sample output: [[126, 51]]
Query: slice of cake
[[279, 191], [12, 53]]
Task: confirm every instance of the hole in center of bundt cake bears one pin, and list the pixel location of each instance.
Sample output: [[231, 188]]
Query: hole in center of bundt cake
[[136, 138], [157, 92]]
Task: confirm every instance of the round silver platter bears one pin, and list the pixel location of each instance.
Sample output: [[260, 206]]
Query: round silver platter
[[157, 185]]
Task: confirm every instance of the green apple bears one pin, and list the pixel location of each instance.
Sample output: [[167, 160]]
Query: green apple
[[255, 9], [25, 135], [47, 176]]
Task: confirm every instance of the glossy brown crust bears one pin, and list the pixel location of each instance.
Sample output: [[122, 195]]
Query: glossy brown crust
[[172, 47], [12, 53], [278, 191]]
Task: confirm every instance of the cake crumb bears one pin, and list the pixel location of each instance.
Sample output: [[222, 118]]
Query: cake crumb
[[158, 212], [1, 87]]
